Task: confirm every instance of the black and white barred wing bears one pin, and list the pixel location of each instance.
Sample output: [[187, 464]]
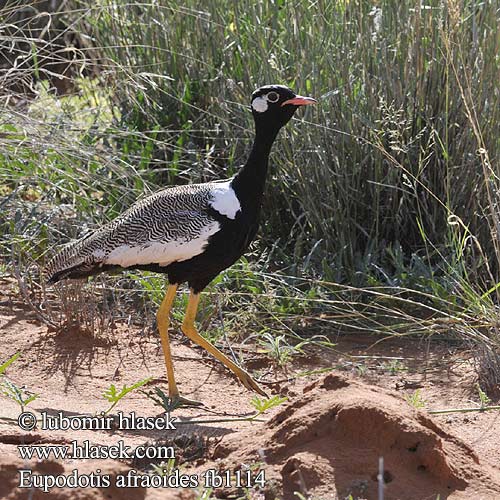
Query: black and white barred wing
[[171, 225]]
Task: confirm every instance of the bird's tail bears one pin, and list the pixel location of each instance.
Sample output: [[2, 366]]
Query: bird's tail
[[74, 260]]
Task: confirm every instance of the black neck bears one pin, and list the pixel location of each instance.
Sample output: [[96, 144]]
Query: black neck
[[250, 181]]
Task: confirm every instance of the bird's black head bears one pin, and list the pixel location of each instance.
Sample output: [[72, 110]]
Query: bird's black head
[[274, 105]]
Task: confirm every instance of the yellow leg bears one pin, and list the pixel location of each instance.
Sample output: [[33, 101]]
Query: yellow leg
[[190, 330], [163, 321]]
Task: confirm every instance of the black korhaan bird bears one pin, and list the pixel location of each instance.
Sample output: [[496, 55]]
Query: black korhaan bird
[[191, 233]]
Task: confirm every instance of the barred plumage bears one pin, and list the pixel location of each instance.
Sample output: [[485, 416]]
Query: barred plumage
[[171, 225]]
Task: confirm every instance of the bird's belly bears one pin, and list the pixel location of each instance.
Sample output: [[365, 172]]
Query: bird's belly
[[228, 245], [224, 248]]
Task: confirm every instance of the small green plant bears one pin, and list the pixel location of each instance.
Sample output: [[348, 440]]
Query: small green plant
[[263, 405], [4, 366], [361, 370], [393, 367], [483, 397], [19, 395], [114, 396], [279, 349], [415, 399], [164, 468]]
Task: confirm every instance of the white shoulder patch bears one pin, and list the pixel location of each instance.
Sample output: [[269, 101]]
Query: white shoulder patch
[[259, 104], [224, 200], [162, 253]]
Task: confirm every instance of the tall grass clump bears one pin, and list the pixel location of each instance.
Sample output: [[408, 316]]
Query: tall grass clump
[[381, 207], [391, 151]]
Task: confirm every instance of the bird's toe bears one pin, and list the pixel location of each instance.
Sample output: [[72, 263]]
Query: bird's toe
[[249, 382], [182, 402]]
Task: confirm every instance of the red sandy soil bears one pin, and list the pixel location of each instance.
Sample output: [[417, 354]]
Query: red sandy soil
[[325, 442], [328, 443]]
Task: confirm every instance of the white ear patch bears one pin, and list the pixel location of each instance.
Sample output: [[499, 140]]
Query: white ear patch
[[259, 104]]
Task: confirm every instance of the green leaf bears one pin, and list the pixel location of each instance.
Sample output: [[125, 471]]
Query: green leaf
[[262, 405], [11, 360], [16, 394], [113, 396]]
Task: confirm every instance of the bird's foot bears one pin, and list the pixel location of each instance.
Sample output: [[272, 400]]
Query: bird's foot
[[178, 401], [249, 382]]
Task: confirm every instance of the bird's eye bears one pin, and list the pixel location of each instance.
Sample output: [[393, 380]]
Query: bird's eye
[[273, 97]]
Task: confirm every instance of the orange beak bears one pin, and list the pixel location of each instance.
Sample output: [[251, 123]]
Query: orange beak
[[298, 100]]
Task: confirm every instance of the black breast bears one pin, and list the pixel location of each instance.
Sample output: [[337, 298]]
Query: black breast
[[224, 248]]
